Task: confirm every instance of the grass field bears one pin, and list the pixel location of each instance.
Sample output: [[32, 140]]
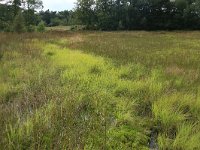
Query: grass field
[[65, 28], [59, 28], [100, 90]]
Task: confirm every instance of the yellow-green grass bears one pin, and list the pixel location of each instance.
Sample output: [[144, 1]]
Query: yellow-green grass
[[99, 90]]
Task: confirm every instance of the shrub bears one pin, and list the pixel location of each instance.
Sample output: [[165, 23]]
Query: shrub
[[30, 28], [41, 27], [5, 26]]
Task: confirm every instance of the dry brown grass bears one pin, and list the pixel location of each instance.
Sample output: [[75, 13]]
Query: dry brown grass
[[174, 70]]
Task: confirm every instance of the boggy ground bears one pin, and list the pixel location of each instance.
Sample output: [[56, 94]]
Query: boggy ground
[[100, 90]]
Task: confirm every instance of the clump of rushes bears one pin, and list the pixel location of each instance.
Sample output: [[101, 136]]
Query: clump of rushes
[[187, 137]]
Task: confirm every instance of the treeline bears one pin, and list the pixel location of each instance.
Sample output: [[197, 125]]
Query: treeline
[[18, 15], [103, 15], [23, 16], [139, 14], [54, 18]]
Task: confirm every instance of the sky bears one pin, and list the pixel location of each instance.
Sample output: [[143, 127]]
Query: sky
[[58, 5]]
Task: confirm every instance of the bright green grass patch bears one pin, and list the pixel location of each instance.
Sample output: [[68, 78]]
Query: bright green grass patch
[[122, 87], [173, 110], [187, 138]]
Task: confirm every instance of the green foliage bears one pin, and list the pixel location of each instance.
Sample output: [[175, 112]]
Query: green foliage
[[16, 6], [34, 4], [30, 28], [55, 22], [6, 17], [181, 4], [18, 24], [132, 15], [31, 18], [41, 27], [9, 13], [61, 18], [85, 12]]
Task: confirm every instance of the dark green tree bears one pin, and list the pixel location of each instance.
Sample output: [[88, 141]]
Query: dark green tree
[[106, 15], [16, 6], [6, 17], [86, 12], [30, 7], [18, 24]]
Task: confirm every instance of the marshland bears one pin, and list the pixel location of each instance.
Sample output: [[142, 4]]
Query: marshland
[[121, 75], [88, 90]]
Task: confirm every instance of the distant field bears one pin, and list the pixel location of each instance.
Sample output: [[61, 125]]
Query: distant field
[[65, 28], [100, 90], [59, 28]]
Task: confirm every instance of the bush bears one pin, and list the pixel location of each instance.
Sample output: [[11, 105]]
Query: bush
[[30, 28], [5, 26], [18, 24], [55, 22], [41, 27]]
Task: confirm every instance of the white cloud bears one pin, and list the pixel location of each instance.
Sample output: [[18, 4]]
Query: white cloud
[[59, 4]]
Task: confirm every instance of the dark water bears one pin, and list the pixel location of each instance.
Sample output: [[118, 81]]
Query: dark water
[[153, 145]]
